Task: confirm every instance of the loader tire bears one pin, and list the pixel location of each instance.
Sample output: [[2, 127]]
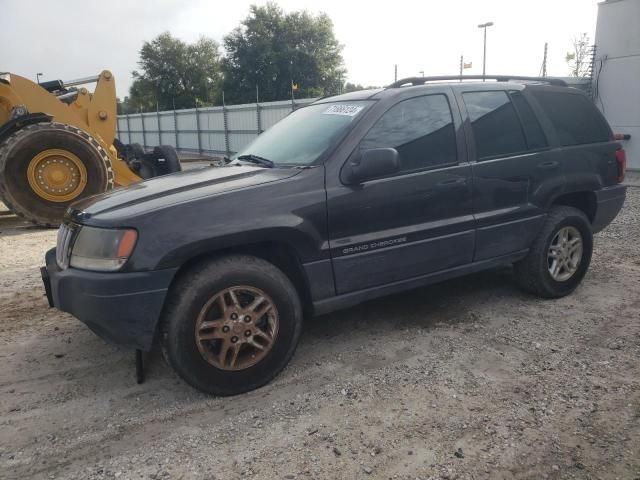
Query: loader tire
[[45, 167]]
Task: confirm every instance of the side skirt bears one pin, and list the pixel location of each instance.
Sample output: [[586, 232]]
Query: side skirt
[[350, 299]]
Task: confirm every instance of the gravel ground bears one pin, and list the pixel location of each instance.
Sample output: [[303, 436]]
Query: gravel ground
[[469, 379]]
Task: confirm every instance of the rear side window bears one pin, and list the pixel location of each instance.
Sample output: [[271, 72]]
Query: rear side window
[[496, 127], [532, 129], [420, 129], [575, 118]]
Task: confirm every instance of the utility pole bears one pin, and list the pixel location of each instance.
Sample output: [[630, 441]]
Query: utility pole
[[484, 52], [395, 75], [461, 65], [544, 60]]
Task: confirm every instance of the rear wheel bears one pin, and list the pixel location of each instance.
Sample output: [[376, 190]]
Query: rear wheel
[[559, 257], [46, 166], [231, 325]]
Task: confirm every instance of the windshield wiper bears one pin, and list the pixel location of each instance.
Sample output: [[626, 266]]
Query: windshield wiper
[[263, 162]]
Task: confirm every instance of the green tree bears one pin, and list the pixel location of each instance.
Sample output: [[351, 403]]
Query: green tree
[[173, 72], [272, 49], [124, 106], [352, 87]]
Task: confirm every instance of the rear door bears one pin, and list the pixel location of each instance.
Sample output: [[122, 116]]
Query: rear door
[[512, 167], [416, 221]]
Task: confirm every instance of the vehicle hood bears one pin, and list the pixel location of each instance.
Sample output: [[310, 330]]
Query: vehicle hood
[[179, 187]]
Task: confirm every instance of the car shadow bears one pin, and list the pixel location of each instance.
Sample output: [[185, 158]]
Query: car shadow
[[449, 302]]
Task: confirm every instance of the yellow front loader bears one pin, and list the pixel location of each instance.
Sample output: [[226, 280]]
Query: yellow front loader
[[58, 145]]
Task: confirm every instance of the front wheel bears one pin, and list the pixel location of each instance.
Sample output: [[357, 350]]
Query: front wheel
[[231, 325], [559, 257]]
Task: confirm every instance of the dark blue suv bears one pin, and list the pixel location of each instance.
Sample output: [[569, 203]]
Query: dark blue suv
[[350, 198]]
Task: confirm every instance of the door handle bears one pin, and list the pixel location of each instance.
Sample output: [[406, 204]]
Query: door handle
[[548, 165]]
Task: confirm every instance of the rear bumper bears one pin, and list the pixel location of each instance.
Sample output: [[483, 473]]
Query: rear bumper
[[609, 201], [123, 308]]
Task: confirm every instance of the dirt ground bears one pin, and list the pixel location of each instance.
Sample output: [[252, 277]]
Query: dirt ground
[[469, 379]]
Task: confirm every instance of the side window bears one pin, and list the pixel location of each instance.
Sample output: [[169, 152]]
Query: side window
[[420, 129], [496, 127], [575, 118], [532, 129]]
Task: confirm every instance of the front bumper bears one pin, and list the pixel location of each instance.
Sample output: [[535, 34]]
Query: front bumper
[[609, 201], [123, 308]]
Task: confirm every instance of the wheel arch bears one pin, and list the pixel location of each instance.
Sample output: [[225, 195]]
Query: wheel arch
[[277, 252], [583, 200], [16, 124]]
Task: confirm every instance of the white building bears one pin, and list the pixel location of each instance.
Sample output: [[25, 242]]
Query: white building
[[617, 71]]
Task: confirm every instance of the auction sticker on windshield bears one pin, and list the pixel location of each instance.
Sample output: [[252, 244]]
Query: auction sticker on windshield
[[348, 110]]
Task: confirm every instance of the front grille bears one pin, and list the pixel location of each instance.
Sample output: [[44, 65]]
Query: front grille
[[66, 235]]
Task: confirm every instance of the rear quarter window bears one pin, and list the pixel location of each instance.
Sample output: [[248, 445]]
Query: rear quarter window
[[575, 119]]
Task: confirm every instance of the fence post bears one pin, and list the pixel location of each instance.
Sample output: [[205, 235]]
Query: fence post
[[175, 128], [128, 130], [225, 122], [258, 118], [198, 129], [159, 128], [144, 133], [175, 124]]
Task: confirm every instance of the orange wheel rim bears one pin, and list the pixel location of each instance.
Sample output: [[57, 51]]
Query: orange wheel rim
[[237, 328], [57, 175]]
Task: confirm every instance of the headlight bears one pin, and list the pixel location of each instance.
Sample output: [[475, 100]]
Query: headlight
[[5, 77], [102, 249]]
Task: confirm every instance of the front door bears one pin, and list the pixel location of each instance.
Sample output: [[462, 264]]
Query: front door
[[416, 221]]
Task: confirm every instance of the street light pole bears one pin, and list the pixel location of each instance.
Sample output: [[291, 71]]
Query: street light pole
[[38, 75], [484, 52]]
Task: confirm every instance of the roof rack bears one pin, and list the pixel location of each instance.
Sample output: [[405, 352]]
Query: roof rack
[[499, 78]]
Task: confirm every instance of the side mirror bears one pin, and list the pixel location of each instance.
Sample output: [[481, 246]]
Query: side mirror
[[373, 163]]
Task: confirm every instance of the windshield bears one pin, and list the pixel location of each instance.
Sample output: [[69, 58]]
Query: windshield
[[304, 135]]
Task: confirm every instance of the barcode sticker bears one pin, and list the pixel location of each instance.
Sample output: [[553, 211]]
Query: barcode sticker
[[348, 110]]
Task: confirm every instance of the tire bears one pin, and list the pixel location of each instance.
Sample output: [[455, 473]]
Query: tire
[[162, 161], [182, 318], [533, 272], [166, 159], [19, 183], [134, 150]]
